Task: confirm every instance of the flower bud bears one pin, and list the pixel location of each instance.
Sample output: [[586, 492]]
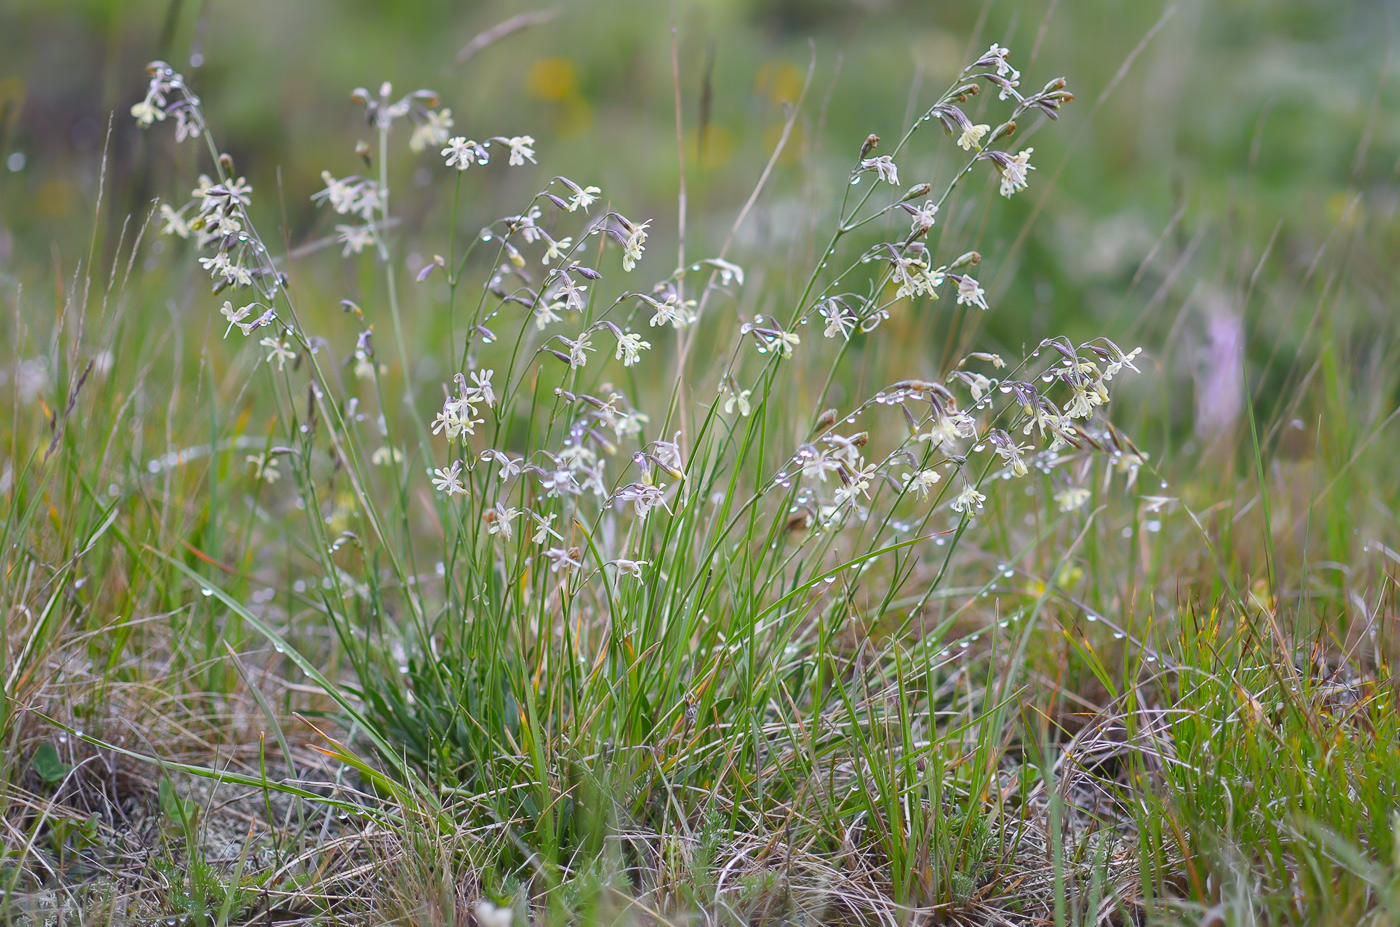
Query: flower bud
[[872, 141]]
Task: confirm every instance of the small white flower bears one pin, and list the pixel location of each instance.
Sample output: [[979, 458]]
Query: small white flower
[[578, 356], [584, 198], [556, 250], [431, 131], [278, 350], [543, 529], [971, 137], [1011, 452], [676, 313], [968, 501], [815, 464], [922, 482], [1071, 498], [630, 347], [634, 246], [546, 312], [489, 915], [355, 237], [449, 480], [384, 456], [460, 152], [561, 559], [883, 166], [858, 484], [970, 293], [740, 399], [498, 519], [481, 387], [629, 424], [924, 217], [559, 482], [572, 293], [146, 113], [521, 150], [175, 223], [839, 321], [234, 316], [264, 468], [786, 342], [642, 496], [630, 567], [1013, 172]]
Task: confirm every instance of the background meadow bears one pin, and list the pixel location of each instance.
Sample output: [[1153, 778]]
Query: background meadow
[[233, 699]]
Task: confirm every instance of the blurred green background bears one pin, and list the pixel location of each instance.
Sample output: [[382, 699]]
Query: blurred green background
[[1203, 132]]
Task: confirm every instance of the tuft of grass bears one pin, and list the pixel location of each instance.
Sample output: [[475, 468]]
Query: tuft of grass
[[256, 667]]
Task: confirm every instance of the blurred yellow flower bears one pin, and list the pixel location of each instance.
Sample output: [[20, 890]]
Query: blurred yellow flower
[[552, 79]]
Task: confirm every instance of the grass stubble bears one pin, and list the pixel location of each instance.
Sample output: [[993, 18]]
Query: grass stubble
[[716, 600]]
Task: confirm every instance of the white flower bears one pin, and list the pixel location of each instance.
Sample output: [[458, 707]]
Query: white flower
[[264, 468], [924, 217], [584, 198], [884, 166], [631, 567], [175, 223], [556, 250], [1071, 498], [1000, 51], [488, 915], [970, 293], [1013, 172], [572, 293], [460, 153], [815, 464], [559, 482], [972, 136], [785, 342], [740, 399], [673, 312], [1111, 370], [857, 484], [355, 237], [234, 316], [498, 520], [634, 246], [481, 388], [546, 312], [630, 347], [968, 501], [642, 496], [449, 480], [431, 131], [384, 456], [561, 559], [629, 423], [1086, 396], [839, 321], [146, 112], [341, 194], [543, 529], [577, 351], [922, 482], [521, 150], [279, 351], [1011, 452]]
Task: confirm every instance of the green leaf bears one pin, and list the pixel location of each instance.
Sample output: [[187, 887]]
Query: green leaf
[[47, 764], [172, 806]]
